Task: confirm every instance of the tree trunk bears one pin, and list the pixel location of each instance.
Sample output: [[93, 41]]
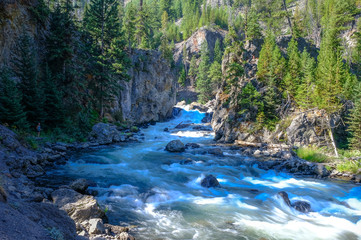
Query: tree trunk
[[288, 17], [331, 136]]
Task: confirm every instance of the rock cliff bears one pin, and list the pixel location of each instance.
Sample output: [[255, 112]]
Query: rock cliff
[[17, 16], [150, 94]]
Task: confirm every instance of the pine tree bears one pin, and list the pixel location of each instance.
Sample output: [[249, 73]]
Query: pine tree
[[252, 27], [249, 102], [215, 76], [129, 22], [271, 64], [305, 91], [165, 48], [354, 121], [26, 69], [203, 81], [193, 70], [102, 23], [53, 105], [11, 109], [165, 5], [292, 78], [182, 77], [218, 52], [265, 57]]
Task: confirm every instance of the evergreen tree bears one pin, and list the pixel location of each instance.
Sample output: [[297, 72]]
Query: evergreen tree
[[53, 105], [193, 70], [218, 52], [129, 22], [249, 102], [164, 6], [215, 76], [354, 121], [271, 64], [165, 48], [102, 23], [11, 108], [305, 91], [292, 78], [265, 57], [182, 77], [252, 26], [203, 81], [26, 69]]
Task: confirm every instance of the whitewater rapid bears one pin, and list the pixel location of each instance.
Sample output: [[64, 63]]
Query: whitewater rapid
[[142, 185]]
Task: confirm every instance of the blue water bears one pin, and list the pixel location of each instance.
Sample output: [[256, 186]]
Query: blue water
[[143, 185]]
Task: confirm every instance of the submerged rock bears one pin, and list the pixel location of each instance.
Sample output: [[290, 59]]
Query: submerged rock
[[175, 146], [192, 145], [210, 181]]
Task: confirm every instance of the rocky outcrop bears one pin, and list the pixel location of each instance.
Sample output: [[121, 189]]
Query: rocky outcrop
[[193, 43], [210, 181], [175, 146], [150, 94]]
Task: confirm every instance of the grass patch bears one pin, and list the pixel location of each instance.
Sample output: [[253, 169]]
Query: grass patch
[[349, 153], [311, 154], [349, 166]]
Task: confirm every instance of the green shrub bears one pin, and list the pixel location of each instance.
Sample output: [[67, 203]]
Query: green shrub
[[134, 129], [311, 154], [32, 143], [349, 166]]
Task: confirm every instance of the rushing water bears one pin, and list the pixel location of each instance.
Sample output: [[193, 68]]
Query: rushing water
[[143, 185]]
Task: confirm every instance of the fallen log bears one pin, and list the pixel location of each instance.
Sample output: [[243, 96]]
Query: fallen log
[[266, 145]]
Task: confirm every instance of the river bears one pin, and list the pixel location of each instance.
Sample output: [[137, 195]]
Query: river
[[141, 184]]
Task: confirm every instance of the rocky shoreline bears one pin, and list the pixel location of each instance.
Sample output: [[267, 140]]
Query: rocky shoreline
[[69, 212]]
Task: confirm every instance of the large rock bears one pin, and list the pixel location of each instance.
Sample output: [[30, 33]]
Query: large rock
[[96, 226], [150, 94], [210, 181], [104, 133], [84, 209], [175, 146], [80, 185], [301, 206], [63, 196]]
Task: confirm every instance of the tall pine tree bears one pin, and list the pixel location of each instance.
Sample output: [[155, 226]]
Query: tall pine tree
[[203, 81], [101, 21], [26, 69], [11, 108]]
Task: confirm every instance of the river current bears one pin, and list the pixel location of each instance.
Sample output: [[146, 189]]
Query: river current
[[143, 185]]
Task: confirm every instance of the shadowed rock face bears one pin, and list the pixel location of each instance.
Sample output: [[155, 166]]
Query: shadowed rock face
[[150, 94], [210, 181]]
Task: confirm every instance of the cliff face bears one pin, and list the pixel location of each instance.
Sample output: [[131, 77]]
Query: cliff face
[[151, 92], [15, 17]]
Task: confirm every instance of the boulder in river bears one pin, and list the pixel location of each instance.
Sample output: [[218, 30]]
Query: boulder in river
[[301, 206], [175, 146], [210, 181]]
